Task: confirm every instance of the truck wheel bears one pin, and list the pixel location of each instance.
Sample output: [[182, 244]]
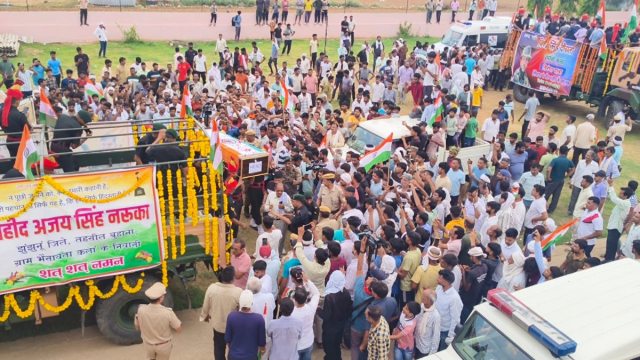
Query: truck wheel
[[115, 315], [613, 107], [520, 93]]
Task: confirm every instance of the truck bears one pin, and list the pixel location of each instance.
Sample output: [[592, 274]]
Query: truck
[[567, 70], [590, 314], [373, 132], [56, 253], [491, 30]]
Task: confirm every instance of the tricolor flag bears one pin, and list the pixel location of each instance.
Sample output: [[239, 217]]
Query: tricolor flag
[[284, 97], [47, 115], [553, 238], [90, 89], [632, 24], [185, 106], [601, 14], [27, 154], [379, 154], [437, 115], [216, 149]]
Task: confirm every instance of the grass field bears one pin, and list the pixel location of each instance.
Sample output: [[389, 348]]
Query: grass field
[[162, 51]]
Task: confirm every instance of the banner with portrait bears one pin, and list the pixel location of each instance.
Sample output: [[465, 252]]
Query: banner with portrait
[[545, 63], [74, 227]]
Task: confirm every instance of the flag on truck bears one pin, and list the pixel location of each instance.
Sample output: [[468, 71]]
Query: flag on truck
[[27, 154], [557, 234], [185, 105], [632, 24], [379, 154], [437, 115], [216, 149], [47, 115], [601, 16]]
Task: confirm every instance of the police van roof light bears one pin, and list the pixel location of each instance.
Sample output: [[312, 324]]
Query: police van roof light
[[551, 337]]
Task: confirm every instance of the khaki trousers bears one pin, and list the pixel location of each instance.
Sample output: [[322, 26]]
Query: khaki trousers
[[158, 352]]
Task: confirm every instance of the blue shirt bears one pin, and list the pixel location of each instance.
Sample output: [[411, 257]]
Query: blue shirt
[[477, 173], [284, 334], [600, 190], [388, 305], [470, 63], [291, 263], [55, 66], [245, 332], [516, 168], [457, 179], [617, 155], [38, 73], [559, 167], [237, 20]]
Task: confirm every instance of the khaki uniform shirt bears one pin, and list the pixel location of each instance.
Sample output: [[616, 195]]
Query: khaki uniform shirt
[[155, 322], [331, 198], [328, 222], [219, 301]]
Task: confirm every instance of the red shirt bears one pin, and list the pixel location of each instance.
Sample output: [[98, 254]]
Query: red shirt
[[183, 71]]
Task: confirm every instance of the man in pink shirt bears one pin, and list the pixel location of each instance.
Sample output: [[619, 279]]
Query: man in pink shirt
[[241, 263], [311, 83], [538, 126]]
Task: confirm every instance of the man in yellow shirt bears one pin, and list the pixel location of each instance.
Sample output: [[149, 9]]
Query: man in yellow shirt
[[476, 97], [426, 276]]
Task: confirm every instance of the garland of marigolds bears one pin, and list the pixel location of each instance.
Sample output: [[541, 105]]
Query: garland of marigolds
[[181, 213], [172, 215], [205, 208], [94, 292]]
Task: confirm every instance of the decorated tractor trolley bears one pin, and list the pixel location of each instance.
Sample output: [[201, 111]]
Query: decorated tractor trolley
[[102, 235]]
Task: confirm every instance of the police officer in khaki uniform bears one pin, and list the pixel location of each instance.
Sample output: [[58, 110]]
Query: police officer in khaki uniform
[[250, 137], [325, 220], [155, 322], [330, 195]]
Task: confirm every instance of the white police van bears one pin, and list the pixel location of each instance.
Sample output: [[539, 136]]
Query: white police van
[[589, 315], [490, 30]]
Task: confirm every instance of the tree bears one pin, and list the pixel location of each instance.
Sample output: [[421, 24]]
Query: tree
[[531, 5], [567, 7], [588, 7]]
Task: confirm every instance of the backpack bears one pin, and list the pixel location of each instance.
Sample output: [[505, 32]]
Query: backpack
[[233, 21]]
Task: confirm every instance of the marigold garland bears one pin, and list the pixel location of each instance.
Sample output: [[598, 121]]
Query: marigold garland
[[215, 241], [181, 213], [94, 292], [172, 215], [162, 213], [26, 206], [51, 182], [134, 130], [205, 209]]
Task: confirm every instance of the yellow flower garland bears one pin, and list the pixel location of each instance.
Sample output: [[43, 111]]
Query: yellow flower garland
[[181, 213], [215, 242], [51, 182], [26, 206], [134, 130], [172, 215], [162, 213], [205, 209], [119, 281]]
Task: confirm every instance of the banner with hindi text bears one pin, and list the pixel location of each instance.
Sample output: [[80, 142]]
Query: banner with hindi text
[[545, 63], [79, 227]]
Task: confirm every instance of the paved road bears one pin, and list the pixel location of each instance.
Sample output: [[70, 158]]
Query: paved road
[[62, 26]]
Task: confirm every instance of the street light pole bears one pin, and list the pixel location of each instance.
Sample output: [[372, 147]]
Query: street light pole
[[326, 30]]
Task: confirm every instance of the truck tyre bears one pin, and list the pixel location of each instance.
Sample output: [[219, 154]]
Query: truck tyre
[[520, 93], [115, 315], [614, 106]]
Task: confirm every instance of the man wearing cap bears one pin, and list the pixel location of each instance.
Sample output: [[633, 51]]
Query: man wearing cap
[[426, 276], [165, 149], [67, 136], [600, 187], [251, 139], [472, 280], [618, 128], [615, 226], [155, 323], [245, 331], [141, 157], [301, 215], [584, 137], [330, 195], [325, 220], [449, 306]]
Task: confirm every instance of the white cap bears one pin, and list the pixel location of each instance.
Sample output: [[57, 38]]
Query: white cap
[[246, 299]]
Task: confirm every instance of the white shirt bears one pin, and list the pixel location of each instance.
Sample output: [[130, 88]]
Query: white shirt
[[101, 33], [594, 223], [490, 129], [569, 131], [583, 169], [200, 63], [27, 78], [273, 239], [428, 79], [221, 44], [488, 222], [305, 315], [377, 92], [537, 208], [354, 212], [305, 65], [350, 276], [272, 202], [263, 304]]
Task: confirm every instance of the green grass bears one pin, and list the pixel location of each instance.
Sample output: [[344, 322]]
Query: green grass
[[162, 51]]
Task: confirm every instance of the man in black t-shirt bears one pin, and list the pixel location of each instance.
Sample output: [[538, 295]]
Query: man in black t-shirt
[[141, 156], [190, 54], [82, 62], [165, 149], [472, 279]]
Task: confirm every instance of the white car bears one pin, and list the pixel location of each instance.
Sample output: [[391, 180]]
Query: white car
[[493, 31]]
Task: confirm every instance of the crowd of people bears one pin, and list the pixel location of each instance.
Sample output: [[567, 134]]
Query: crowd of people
[[385, 261]]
